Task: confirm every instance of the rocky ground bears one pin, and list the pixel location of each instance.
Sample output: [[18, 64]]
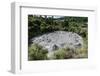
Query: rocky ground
[[59, 39]]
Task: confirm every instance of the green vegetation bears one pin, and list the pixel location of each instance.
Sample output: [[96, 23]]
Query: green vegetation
[[36, 52], [64, 53], [41, 24], [69, 53]]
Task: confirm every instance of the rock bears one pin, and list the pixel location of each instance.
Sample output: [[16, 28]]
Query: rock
[[59, 39]]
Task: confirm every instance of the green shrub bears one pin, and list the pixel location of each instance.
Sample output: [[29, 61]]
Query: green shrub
[[67, 53], [64, 53], [81, 53], [36, 52]]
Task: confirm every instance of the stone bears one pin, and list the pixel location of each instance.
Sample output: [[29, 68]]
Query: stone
[[59, 39]]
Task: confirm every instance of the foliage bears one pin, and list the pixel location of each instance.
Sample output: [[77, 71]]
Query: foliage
[[81, 53], [36, 52], [67, 53], [40, 24], [63, 53]]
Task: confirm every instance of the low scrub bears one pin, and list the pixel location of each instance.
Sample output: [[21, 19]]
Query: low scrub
[[36, 52]]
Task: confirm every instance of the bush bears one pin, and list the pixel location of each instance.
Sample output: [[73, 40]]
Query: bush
[[36, 52], [81, 53], [40, 24], [67, 53], [64, 53]]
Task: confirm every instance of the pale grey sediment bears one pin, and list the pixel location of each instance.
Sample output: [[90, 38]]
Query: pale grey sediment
[[59, 39]]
